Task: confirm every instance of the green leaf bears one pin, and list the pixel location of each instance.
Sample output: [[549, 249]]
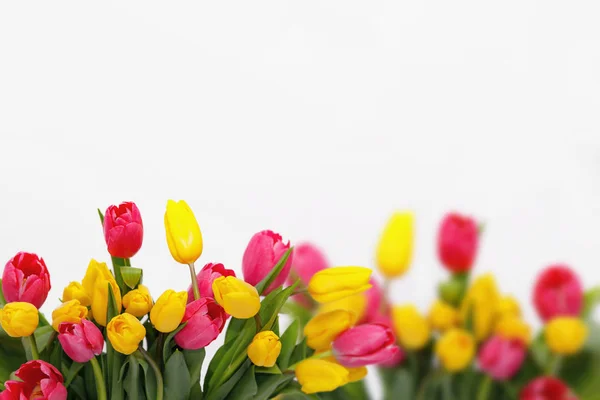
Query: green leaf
[[591, 301], [177, 377], [114, 358], [221, 392], [272, 275], [2, 299], [90, 382], [297, 312], [274, 370], [246, 388], [269, 384], [169, 344], [293, 391], [150, 385], [131, 382], [300, 352], [194, 360], [581, 371], [399, 384], [356, 390], [72, 373], [43, 335], [132, 276], [288, 342]]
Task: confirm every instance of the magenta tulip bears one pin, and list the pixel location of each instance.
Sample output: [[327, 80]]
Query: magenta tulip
[[26, 279], [502, 358], [557, 292], [206, 277], [80, 341], [123, 230], [205, 321], [364, 345], [39, 380], [308, 260], [458, 239], [264, 250]]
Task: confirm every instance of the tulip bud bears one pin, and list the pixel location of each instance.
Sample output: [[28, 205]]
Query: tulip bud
[[183, 233], [167, 313], [323, 328], [411, 327], [394, 252], [264, 349], [320, 376], [458, 239], [82, 341], [238, 298], [204, 320], [95, 282], [76, 291], [502, 358], [385, 320], [565, 335], [336, 283], [206, 277], [263, 252], [364, 345], [455, 349], [557, 292], [442, 316], [125, 332], [26, 278], [123, 230], [19, 319], [38, 380], [514, 328], [307, 261], [70, 311], [508, 306], [138, 302], [480, 304], [546, 388]]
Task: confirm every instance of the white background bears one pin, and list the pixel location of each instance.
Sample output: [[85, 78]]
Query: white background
[[315, 119]]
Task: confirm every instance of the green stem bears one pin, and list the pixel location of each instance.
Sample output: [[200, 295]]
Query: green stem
[[484, 388], [447, 387], [194, 281], [159, 379], [100, 385], [35, 354], [258, 322], [160, 340], [553, 365]]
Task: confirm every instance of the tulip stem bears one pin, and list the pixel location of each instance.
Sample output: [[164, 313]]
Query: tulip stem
[[484, 388], [258, 322], [35, 354], [194, 281], [100, 385], [159, 379], [554, 365]]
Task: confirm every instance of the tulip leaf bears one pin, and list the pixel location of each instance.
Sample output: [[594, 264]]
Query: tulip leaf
[[274, 370], [246, 387], [77, 387], [580, 371], [297, 312], [114, 358], [131, 382], [177, 377], [288, 342], [293, 391], [301, 351], [272, 275], [169, 344], [269, 384], [591, 301], [150, 385], [132, 276], [194, 360], [222, 391]]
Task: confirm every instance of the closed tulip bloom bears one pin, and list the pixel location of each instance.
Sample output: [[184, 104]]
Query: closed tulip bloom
[[394, 252], [320, 376], [458, 240], [183, 232], [206, 277], [502, 358], [411, 327], [264, 349], [138, 302], [508, 306], [442, 316], [365, 345], [125, 332], [238, 298], [19, 319], [480, 305], [356, 304], [307, 260], [323, 328], [167, 313], [95, 282], [557, 292], [514, 328], [82, 341], [76, 291], [546, 388], [354, 374], [38, 380], [70, 311], [26, 278], [565, 335], [204, 320], [386, 320], [123, 230], [336, 283], [455, 349], [263, 252]]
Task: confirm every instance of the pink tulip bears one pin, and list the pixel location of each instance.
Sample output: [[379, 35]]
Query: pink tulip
[[26, 279], [385, 320], [364, 345], [205, 321], [308, 260], [501, 358], [206, 277], [39, 380], [264, 250], [80, 341], [374, 298], [123, 230], [557, 292], [458, 239]]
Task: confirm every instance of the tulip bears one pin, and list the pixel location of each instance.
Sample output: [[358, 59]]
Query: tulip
[[442, 316], [502, 358], [26, 278], [263, 252], [514, 328], [546, 388], [76, 291], [125, 332], [19, 319], [385, 320], [565, 335], [411, 327], [458, 239], [557, 292], [238, 298], [123, 230], [167, 313], [204, 320], [95, 282], [264, 349], [336, 283], [70, 311], [356, 304], [374, 298], [320, 376], [508, 306], [38, 380], [479, 305], [138, 302], [354, 374], [80, 341], [364, 345], [455, 349], [183, 233], [323, 328], [394, 252], [307, 261], [206, 277]]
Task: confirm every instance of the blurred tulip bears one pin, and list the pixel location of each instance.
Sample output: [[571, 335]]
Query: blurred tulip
[[502, 358], [238, 298], [442, 316], [557, 292], [514, 328], [307, 261], [320, 375], [374, 297], [76, 291], [80, 341], [323, 328], [123, 230], [365, 345], [354, 374], [26, 278], [19, 319], [546, 388], [394, 251], [70, 311], [455, 349], [336, 283], [480, 305], [263, 252], [183, 232], [508, 306], [204, 320], [38, 380], [458, 240], [565, 335], [410, 326], [167, 313], [138, 302], [264, 349], [125, 332], [385, 320], [356, 304], [206, 277]]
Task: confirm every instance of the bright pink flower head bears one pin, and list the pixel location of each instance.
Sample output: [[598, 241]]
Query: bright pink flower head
[[386, 320], [308, 260], [557, 292], [501, 358], [364, 345], [206, 277], [458, 239], [546, 388], [123, 230], [374, 298], [80, 341], [40, 380], [26, 279], [205, 320], [264, 250]]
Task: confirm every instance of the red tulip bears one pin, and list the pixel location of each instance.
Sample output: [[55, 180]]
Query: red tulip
[[26, 279], [123, 230], [546, 388], [40, 380], [205, 320], [206, 277], [557, 292], [264, 250], [502, 358], [80, 341], [458, 239], [364, 345]]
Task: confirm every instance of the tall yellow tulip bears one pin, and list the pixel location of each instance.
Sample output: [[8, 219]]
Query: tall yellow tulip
[[333, 284], [183, 232], [394, 252], [95, 282], [481, 304]]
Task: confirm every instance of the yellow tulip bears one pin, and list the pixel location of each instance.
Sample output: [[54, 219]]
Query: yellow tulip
[[320, 375], [95, 283], [323, 328], [508, 306], [183, 232], [455, 349], [138, 302], [333, 284], [264, 349], [411, 327], [514, 328], [480, 304], [354, 374], [394, 252], [69, 311], [442, 316], [565, 335], [76, 291], [238, 298], [125, 332], [356, 304], [19, 319], [167, 313]]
